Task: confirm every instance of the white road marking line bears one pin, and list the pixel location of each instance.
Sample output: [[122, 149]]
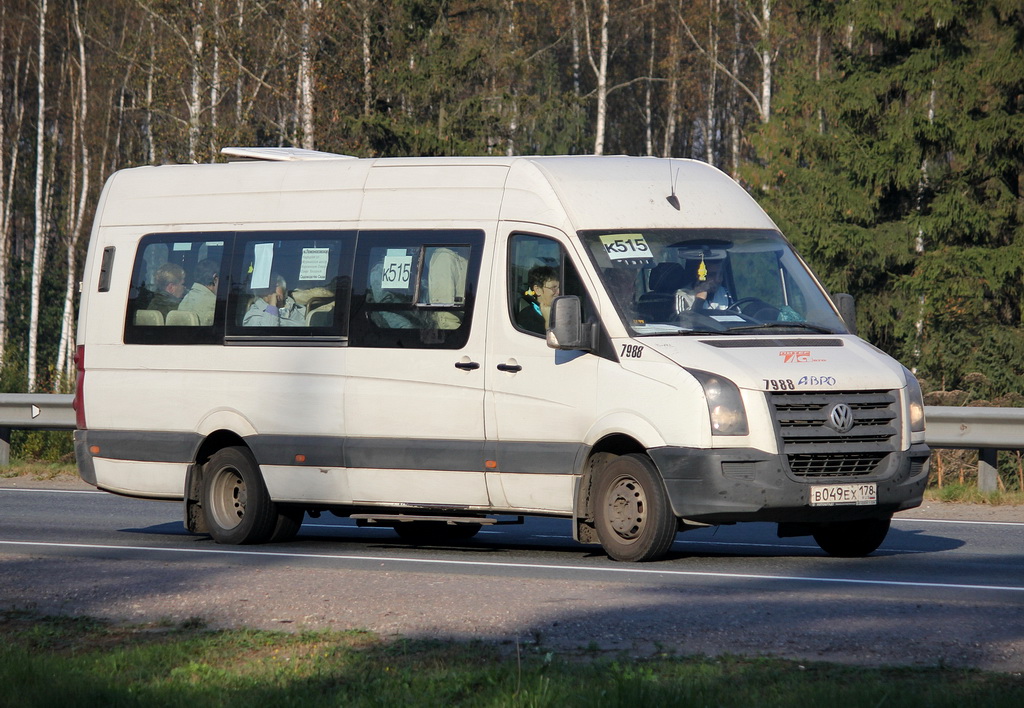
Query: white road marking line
[[53, 491], [958, 521], [522, 566]]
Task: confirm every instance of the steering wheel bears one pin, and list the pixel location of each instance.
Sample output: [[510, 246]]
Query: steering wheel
[[761, 306], [737, 305]]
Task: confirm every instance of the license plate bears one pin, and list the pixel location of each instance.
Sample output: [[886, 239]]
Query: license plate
[[843, 495]]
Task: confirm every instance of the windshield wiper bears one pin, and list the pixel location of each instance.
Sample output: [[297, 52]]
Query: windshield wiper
[[677, 332], [784, 325]]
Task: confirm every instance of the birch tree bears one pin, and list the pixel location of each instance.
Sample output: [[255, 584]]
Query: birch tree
[[305, 75], [194, 96], [599, 65], [11, 120], [80, 145], [39, 241]]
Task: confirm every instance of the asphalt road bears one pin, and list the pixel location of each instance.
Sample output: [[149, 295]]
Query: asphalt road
[[940, 590]]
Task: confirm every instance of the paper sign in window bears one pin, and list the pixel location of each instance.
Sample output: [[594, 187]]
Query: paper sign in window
[[263, 261], [314, 263], [628, 249], [397, 270]]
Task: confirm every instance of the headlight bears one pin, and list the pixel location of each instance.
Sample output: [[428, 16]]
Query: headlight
[[725, 405], [915, 402]]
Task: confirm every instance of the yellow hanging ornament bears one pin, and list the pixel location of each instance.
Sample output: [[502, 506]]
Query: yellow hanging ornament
[[702, 271]]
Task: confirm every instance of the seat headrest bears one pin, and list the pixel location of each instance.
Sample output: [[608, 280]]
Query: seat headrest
[[667, 277]]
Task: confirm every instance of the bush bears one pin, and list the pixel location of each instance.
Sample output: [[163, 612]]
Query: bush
[[43, 445]]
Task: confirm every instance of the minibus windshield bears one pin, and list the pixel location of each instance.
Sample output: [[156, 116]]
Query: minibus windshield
[[702, 281]]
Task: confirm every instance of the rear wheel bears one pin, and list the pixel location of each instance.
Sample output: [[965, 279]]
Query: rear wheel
[[236, 505], [631, 509], [852, 539], [289, 520], [424, 532]]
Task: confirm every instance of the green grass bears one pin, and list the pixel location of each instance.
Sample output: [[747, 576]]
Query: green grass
[[48, 661], [35, 469], [969, 494]]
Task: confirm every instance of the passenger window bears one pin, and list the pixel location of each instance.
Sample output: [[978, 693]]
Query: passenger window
[[290, 284], [538, 272], [175, 291], [414, 288]]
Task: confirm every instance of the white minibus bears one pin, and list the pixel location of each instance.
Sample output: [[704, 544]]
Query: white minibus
[[439, 344]]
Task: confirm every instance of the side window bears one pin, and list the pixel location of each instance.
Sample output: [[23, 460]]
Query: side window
[[414, 288], [175, 293], [290, 285], [539, 271]]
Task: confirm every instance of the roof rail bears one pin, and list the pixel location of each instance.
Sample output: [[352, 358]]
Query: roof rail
[[278, 154]]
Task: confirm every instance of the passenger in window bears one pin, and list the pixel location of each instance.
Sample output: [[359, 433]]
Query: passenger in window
[[535, 304], [273, 307], [169, 283], [319, 304], [202, 298], [446, 285]]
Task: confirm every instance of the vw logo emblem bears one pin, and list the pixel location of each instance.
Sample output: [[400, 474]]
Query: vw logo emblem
[[841, 417]]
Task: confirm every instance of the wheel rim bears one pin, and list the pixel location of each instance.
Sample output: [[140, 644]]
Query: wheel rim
[[228, 498], [626, 505]]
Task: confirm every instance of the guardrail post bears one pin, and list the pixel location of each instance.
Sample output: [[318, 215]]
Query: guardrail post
[[988, 469], [5, 447]]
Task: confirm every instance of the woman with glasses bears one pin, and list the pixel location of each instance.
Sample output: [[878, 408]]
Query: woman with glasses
[[535, 304]]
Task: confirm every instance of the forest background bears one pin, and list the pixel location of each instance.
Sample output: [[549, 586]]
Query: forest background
[[886, 139]]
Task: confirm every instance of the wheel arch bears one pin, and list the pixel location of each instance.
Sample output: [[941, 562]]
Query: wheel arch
[[217, 440], [604, 450]]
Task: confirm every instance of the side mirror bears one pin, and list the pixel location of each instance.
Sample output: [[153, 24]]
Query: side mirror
[[847, 310], [566, 329]]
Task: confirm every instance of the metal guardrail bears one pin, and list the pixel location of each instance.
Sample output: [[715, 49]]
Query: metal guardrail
[[987, 430], [35, 411], [975, 428]]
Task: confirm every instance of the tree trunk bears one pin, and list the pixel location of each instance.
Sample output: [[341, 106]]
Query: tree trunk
[[306, 78], [39, 242], [10, 134], [649, 97], [148, 129], [215, 80], [194, 102], [766, 61], [735, 107], [367, 64], [600, 68], [65, 351], [714, 15], [669, 138]]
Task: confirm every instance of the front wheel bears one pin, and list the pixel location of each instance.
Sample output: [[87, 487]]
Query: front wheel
[[852, 539], [236, 505], [631, 510]]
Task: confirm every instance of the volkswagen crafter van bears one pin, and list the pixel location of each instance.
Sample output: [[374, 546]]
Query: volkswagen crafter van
[[440, 344]]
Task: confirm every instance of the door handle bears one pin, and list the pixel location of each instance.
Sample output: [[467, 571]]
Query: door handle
[[510, 367], [467, 365]]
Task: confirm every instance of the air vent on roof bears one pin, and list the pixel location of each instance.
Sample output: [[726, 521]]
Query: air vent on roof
[[282, 154]]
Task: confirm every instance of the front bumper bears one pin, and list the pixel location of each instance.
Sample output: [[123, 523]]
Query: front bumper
[[731, 485]]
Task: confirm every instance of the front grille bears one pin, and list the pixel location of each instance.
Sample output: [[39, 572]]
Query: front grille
[[815, 447]]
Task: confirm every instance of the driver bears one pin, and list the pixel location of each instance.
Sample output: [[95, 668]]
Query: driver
[[708, 290], [711, 290]]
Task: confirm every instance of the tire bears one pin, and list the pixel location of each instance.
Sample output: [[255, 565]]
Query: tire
[[631, 510], [427, 532], [289, 520], [852, 539], [236, 505]]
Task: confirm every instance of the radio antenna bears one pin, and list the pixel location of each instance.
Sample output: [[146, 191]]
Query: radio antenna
[[672, 198]]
